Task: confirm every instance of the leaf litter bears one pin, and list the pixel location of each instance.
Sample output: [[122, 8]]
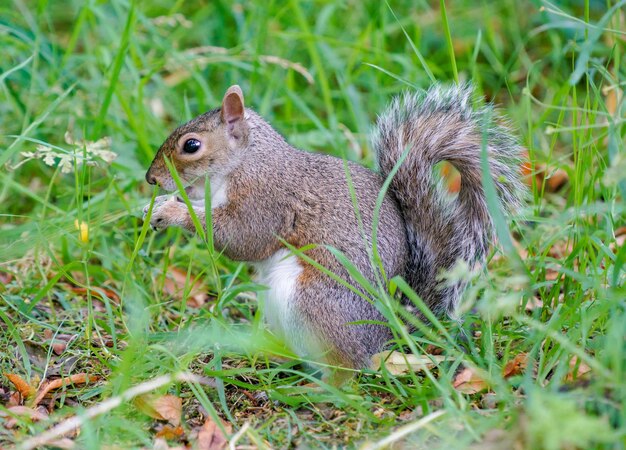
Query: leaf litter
[[177, 285], [161, 407]]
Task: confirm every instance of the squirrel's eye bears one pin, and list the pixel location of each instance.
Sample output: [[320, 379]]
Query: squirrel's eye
[[191, 146]]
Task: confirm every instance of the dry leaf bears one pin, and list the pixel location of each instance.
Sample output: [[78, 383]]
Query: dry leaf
[[170, 408], [516, 366], [14, 399], [59, 347], [577, 369], [166, 407], [98, 292], [613, 96], [5, 277], [533, 303], [620, 239], [552, 179], [175, 282], [100, 339], [210, 437], [399, 363], [34, 414], [79, 378], [451, 177], [527, 167], [552, 274], [170, 433], [556, 180], [561, 249], [433, 349], [407, 415], [468, 381], [59, 342], [22, 386]]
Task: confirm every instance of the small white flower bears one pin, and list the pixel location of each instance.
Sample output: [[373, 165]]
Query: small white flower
[[66, 165], [82, 151], [48, 158], [107, 156]]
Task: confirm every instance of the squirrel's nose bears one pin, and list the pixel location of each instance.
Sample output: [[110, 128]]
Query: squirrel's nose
[[151, 179]]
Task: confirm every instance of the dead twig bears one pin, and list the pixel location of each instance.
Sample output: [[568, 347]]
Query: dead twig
[[76, 421]]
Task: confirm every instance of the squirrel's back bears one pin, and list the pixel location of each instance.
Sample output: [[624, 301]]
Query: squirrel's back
[[315, 189], [434, 126]]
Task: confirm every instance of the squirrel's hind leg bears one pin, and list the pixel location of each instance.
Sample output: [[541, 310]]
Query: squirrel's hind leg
[[313, 315], [330, 312]]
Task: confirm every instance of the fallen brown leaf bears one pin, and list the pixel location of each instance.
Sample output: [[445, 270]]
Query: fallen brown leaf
[[59, 347], [433, 350], [399, 363], [469, 381], [516, 366], [620, 239], [556, 180], [22, 386], [166, 407], [552, 274], [79, 378], [407, 415], [527, 167], [210, 437], [100, 339], [578, 369], [99, 292], [613, 98], [545, 178], [33, 414], [532, 304], [14, 399], [451, 176], [170, 408], [550, 182], [561, 249], [170, 433], [175, 283], [5, 277], [59, 342]]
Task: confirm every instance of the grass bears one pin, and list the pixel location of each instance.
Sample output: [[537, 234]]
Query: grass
[[319, 71]]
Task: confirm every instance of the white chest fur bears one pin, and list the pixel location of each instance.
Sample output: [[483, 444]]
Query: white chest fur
[[219, 194], [218, 191], [279, 273]]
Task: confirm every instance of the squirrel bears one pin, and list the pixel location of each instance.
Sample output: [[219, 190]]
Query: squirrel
[[266, 194]]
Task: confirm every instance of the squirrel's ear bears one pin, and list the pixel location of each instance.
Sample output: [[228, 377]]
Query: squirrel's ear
[[233, 110]]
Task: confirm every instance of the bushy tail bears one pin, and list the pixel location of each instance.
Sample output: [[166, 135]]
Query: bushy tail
[[441, 125]]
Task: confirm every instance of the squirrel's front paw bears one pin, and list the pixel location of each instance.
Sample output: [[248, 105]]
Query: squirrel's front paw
[[157, 201], [167, 211]]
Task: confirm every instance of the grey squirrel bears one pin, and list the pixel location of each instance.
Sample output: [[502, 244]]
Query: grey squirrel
[[264, 192]]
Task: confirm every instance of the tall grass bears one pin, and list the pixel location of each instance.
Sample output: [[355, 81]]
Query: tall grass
[[319, 71]]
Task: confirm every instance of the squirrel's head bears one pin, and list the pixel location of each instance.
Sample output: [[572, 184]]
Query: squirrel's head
[[207, 145]]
